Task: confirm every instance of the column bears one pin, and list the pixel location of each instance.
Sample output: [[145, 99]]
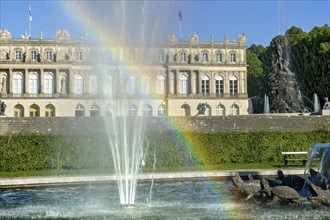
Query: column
[[86, 83], [193, 82], [11, 82], [26, 83], [42, 83]]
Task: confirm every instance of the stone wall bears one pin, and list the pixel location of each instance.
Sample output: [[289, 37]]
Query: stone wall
[[88, 125]]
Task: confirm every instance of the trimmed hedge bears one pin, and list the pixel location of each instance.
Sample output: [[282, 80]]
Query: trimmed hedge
[[172, 149]]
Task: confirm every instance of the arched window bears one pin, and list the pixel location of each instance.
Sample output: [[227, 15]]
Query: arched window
[[205, 84], [207, 110], [18, 84], [183, 81], [50, 110], [34, 110], [147, 111], [78, 84], [108, 86], [95, 111], [219, 85], [48, 84], [33, 84], [132, 110], [109, 111], [80, 111], [161, 110], [220, 110], [233, 85], [145, 85], [18, 110], [131, 85], [93, 85], [185, 110], [161, 84], [234, 110]]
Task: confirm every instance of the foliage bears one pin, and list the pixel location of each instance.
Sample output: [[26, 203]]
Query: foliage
[[57, 152]]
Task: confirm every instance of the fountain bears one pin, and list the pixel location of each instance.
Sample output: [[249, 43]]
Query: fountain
[[266, 105]]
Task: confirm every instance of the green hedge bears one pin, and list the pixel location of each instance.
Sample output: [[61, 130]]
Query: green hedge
[[42, 152]]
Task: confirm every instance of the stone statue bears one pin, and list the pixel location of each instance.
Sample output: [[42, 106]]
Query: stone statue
[[3, 86], [201, 109], [282, 87], [3, 107]]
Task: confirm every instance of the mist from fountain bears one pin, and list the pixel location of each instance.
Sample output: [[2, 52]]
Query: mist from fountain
[[319, 154], [250, 108], [266, 105], [317, 105]]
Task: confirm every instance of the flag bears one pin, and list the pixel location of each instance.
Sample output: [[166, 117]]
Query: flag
[[30, 13], [180, 15]]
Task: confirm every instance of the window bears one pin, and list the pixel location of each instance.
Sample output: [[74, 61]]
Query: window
[[219, 57], [132, 55], [80, 111], [161, 110], [205, 84], [146, 85], [132, 110], [19, 111], [108, 86], [131, 85], [207, 110], [48, 83], [33, 55], [183, 56], [79, 56], [183, 79], [18, 84], [220, 110], [147, 111], [109, 111], [233, 86], [34, 110], [95, 111], [205, 57], [93, 85], [161, 57], [18, 54], [50, 110], [78, 84], [233, 57], [146, 56], [185, 110], [219, 85], [49, 55], [33, 84], [161, 84], [234, 110]]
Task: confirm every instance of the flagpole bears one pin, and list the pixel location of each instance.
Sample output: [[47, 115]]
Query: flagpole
[[30, 20], [180, 30]]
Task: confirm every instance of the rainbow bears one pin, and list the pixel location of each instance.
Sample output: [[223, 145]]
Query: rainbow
[[84, 14]]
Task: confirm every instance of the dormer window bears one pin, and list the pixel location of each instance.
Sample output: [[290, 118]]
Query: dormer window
[[18, 55], [33, 55], [205, 57], [233, 57], [79, 56], [49, 55], [183, 56], [161, 57], [219, 57]]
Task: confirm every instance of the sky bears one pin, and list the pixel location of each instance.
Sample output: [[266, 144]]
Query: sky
[[260, 20]]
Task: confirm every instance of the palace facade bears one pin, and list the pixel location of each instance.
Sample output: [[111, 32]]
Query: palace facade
[[62, 77]]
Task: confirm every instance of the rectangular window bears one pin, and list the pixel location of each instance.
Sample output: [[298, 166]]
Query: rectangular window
[[205, 57], [49, 55], [33, 55], [79, 56], [219, 57], [18, 55], [183, 57], [161, 57]]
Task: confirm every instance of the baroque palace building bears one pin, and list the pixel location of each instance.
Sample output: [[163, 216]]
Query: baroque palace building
[[62, 77]]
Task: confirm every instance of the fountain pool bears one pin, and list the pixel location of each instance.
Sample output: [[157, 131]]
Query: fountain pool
[[197, 199]]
